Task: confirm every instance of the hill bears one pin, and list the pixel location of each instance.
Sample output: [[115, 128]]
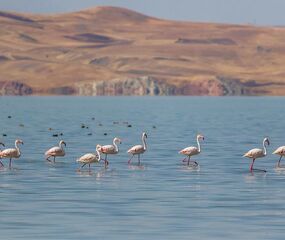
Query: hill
[[115, 51]]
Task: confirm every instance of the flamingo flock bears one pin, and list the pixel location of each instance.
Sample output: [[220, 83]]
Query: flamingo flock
[[137, 150]]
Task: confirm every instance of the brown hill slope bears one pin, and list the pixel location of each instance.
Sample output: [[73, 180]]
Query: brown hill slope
[[115, 51]]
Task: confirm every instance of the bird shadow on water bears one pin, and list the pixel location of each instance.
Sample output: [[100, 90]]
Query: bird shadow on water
[[189, 168], [91, 172], [135, 167], [57, 164], [9, 170], [280, 170], [253, 176]]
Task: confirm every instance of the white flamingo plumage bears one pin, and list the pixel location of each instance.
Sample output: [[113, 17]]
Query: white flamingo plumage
[[191, 151], [57, 151], [2, 165], [257, 153], [89, 158], [110, 149], [281, 152], [12, 152], [138, 149]]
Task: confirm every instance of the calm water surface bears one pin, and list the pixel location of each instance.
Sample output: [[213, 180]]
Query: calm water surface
[[162, 199]]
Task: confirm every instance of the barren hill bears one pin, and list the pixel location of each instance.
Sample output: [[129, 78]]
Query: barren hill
[[115, 51]]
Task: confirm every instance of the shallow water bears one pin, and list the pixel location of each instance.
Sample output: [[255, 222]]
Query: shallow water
[[162, 199]]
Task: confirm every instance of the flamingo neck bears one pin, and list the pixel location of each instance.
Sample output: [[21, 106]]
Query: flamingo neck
[[144, 142], [61, 146], [115, 145], [264, 148], [198, 143], [99, 155], [17, 147]]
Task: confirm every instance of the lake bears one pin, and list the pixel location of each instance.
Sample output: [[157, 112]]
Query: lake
[[162, 198]]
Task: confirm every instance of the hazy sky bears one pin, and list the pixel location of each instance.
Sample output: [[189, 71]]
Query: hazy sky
[[261, 12]]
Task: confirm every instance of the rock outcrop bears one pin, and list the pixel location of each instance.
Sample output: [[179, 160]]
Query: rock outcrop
[[15, 88], [131, 86]]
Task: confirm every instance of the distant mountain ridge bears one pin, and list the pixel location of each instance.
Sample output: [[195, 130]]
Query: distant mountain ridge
[[116, 51]]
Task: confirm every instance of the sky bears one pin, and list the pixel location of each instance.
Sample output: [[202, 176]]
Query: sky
[[258, 12]]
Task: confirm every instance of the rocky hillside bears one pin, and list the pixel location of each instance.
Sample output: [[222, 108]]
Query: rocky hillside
[[115, 51]]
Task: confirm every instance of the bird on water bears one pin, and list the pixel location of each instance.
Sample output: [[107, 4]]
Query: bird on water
[[57, 151], [138, 149], [191, 151], [257, 153]]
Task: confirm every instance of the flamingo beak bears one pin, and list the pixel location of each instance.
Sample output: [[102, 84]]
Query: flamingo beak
[[268, 142], [64, 144], [145, 135], [2, 144]]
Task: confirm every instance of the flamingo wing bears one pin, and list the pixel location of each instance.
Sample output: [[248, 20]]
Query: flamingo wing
[[9, 153], [254, 153], [87, 158], [280, 151], [55, 151], [189, 151], [109, 149], [136, 149]]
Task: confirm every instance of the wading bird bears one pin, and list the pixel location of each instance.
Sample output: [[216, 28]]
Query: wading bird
[[138, 149], [257, 153], [191, 151], [56, 151], [12, 152], [2, 165], [89, 158], [281, 152], [110, 149]]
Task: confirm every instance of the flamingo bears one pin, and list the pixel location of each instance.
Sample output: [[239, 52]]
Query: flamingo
[[191, 151], [138, 149], [257, 153], [110, 149], [56, 151], [89, 158], [280, 151], [12, 152], [2, 165]]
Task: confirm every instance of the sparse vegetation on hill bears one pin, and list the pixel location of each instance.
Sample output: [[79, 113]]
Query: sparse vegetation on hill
[[105, 49]]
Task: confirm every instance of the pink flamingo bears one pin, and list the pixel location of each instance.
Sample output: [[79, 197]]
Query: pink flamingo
[[257, 153], [191, 151], [56, 151], [89, 158], [2, 165], [12, 152], [138, 149], [110, 149], [281, 152]]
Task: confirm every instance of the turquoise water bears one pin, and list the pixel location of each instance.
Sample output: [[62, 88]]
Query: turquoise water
[[162, 199]]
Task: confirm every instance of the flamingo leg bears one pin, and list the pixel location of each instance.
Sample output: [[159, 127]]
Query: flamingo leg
[[89, 166], [106, 163], [129, 162], [2, 165], [10, 163], [278, 165], [83, 165], [54, 159], [189, 162], [48, 159], [255, 169], [139, 159]]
